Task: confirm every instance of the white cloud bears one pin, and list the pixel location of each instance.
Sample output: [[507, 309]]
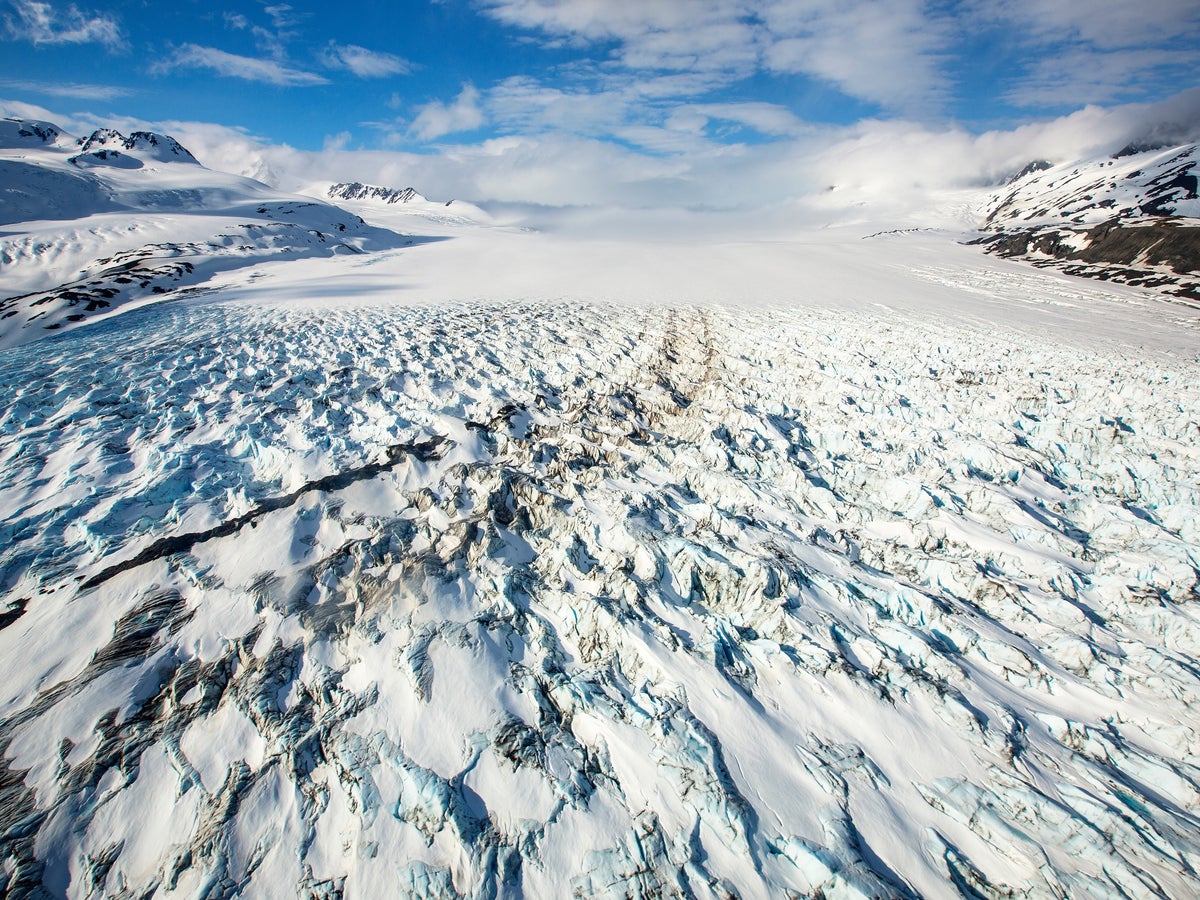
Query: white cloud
[[268, 71], [630, 110], [41, 23], [883, 51], [1093, 51], [436, 119], [765, 118], [74, 90], [1078, 73], [523, 104], [283, 16], [1106, 24], [363, 62]]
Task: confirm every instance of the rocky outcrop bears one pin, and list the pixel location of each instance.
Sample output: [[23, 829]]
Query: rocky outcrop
[[147, 144]]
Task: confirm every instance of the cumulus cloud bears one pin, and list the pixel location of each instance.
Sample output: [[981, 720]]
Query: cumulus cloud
[[42, 23], [267, 71], [436, 119], [883, 51], [363, 62]]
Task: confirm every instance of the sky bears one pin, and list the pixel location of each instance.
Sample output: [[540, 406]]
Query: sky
[[699, 103]]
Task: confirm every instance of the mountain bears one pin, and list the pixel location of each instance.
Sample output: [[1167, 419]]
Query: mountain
[[357, 191], [109, 221], [141, 145], [387, 205], [1132, 218]]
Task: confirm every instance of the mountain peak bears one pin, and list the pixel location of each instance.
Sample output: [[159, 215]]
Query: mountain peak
[[1038, 165], [146, 144], [355, 190], [16, 133]]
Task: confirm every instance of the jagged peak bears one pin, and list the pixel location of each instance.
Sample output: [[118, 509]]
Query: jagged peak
[[1037, 165], [161, 147], [1135, 147], [355, 190]]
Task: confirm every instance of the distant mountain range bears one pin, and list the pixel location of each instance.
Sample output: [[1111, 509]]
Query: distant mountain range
[[109, 221]]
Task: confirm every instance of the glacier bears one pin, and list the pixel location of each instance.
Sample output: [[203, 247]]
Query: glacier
[[390, 548], [564, 599]]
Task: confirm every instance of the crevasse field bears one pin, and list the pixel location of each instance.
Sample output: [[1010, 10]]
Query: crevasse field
[[877, 580]]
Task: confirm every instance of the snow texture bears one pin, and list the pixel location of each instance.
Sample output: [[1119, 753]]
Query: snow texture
[[537, 599]]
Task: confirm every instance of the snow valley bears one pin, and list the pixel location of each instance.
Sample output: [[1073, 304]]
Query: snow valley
[[359, 544]]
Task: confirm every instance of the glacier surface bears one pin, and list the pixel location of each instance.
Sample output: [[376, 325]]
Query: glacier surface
[[551, 599]]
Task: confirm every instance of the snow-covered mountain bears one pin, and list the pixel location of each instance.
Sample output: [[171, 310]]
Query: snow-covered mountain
[[395, 206], [355, 190], [1133, 218], [108, 221]]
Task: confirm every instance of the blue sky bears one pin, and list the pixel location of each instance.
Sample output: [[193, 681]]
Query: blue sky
[[697, 104], [654, 75]]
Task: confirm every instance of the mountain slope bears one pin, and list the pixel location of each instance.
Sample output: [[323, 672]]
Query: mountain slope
[[106, 222], [1132, 218]]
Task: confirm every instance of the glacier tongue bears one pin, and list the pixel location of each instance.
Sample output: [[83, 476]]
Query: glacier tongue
[[545, 599]]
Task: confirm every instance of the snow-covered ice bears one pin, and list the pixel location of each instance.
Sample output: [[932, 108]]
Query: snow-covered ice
[[536, 598]]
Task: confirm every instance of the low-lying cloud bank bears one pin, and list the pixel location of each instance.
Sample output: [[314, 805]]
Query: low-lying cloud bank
[[893, 168]]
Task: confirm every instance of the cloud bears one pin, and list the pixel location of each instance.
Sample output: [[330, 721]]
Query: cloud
[[765, 118], [524, 105], [267, 71], [363, 62], [68, 89], [654, 34], [641, 112], [1072, 74], [1070, 52], [895, 171], [883, 51], [283, 16], [1104, 24], [436, 119], [41, 23]]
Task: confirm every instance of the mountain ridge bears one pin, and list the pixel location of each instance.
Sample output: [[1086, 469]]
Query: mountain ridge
[[1132, 218]]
